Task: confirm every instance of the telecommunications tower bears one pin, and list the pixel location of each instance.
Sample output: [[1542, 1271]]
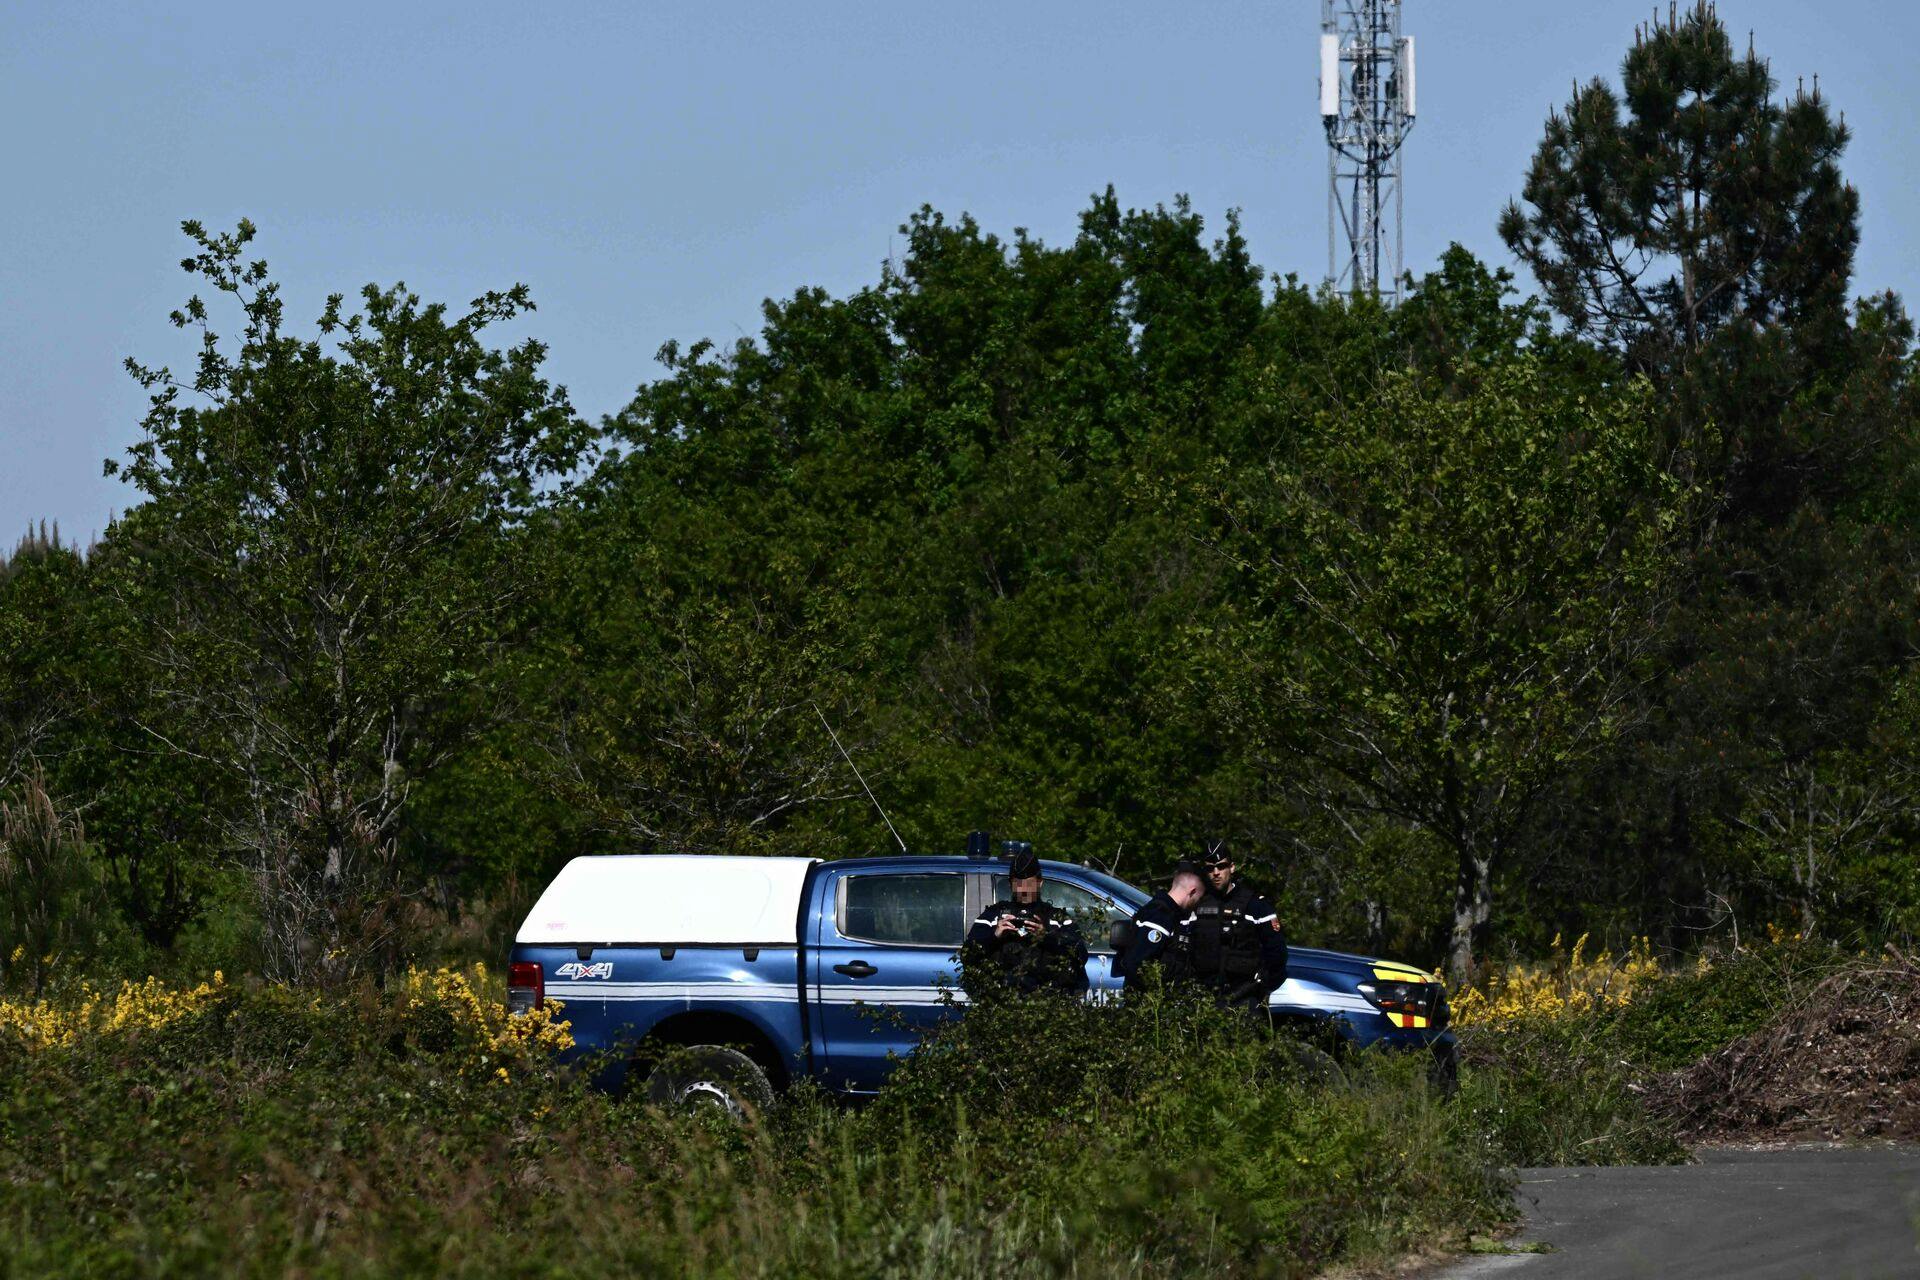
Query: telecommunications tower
[[1366, 104]]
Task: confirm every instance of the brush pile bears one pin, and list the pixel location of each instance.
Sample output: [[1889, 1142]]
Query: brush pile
[[1842, 1062]]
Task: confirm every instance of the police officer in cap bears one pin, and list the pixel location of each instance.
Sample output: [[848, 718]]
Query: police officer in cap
[[1239, 948], [1029, 943], [1160, 932]]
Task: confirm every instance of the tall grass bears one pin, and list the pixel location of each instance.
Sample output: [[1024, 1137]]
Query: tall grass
[[253, 1131], [243, 1129]]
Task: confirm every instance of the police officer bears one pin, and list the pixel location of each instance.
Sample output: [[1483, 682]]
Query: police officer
[[1239, 948], [1160, 932], [1027, 942]]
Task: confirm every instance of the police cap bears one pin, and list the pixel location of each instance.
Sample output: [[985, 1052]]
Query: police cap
[[1022, 863], [1213, 853]]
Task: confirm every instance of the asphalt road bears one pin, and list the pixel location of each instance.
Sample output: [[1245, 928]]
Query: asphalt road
[[1823, 1212]]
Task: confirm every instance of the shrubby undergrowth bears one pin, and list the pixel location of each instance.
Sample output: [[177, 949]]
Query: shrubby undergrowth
[[1567, 1057], [254, 1131]]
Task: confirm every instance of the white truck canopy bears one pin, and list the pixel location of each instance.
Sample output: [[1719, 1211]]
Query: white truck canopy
[[683, 899]]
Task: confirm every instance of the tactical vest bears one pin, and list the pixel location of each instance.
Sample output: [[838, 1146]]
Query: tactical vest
[[1226, 945]]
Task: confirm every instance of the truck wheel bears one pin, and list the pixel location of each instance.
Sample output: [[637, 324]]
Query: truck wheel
[[1311, 1048], [704, 1076], [1314, 1064], [1444, 1072]]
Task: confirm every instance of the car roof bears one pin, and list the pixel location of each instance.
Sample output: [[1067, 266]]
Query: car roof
[[937, 862]]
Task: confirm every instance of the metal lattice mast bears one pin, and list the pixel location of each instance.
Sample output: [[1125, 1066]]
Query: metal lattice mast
[[1367, 106]]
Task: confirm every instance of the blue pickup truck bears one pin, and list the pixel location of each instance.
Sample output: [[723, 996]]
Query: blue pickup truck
[[707, 978]]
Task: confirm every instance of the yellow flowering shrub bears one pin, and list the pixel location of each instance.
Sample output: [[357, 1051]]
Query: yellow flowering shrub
[[484, 1022], [136, 1006], [1565, 983], [450, 997]]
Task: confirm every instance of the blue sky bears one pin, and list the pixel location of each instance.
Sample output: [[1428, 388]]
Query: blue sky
[[654, 171]]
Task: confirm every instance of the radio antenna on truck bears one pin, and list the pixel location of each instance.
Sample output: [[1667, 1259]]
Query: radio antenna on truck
[[856, 773]]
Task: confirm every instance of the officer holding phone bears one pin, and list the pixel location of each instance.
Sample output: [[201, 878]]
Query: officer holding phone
[[1029, 943]]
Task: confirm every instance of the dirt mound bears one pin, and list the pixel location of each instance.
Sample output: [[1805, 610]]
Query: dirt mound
[[1843, 1062]]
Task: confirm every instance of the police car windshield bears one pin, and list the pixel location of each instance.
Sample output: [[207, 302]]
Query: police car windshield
[[1119, 890]]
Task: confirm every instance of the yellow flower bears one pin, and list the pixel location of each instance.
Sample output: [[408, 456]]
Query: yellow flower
[[1565, 983], [150, 1004]]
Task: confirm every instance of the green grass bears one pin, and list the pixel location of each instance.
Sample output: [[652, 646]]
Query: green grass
[[1484, 1245], [274, 1134]]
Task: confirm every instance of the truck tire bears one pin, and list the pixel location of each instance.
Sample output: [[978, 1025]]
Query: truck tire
[[1314, 1064], [1444, 1072], [703, 1076], [1311, 1047]]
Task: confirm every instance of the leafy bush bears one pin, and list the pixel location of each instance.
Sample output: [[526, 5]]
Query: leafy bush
[[1563, 1054], [253, 1131], [54, 908], [1564, 982], [1707, 1007], [1207, 1140], [1556, 1090]]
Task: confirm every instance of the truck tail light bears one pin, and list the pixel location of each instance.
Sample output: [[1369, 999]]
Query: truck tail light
[[526, 988]]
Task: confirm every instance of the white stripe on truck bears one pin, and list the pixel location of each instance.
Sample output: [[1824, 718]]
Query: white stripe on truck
[[670, 990], [1293, 994], [756, 991]]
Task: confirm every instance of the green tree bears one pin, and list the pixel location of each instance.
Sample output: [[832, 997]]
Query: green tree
[[53, 895], [1459, 585], [1810, 825], [916, 507], [72, 713], [329, 578], [41, 651], [1702, 228], [1709, 204], [131, 760]]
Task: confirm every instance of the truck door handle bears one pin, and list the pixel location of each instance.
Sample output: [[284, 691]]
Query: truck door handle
[[857, 969]]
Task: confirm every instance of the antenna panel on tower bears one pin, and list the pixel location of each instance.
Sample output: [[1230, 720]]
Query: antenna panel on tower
[[1406, 75], [1329, 75], [1367, 107]]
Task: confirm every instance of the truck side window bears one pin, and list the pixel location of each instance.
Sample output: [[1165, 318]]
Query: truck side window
[[917, 910], [1093, 913]]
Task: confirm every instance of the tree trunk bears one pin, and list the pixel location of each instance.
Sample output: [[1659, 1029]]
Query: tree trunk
[[1472, 908], [1809, 919]]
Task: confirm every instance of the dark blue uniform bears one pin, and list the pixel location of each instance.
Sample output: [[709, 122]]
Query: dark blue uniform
[[1029, 957], [1239, 948], [1159, 938]]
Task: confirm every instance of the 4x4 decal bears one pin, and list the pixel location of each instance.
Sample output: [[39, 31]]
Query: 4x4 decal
[[575, 969]]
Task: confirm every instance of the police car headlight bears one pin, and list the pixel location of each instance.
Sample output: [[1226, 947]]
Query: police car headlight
[[1404, 999]]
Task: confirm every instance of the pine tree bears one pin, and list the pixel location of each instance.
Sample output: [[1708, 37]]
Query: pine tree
[[1710, 203]]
